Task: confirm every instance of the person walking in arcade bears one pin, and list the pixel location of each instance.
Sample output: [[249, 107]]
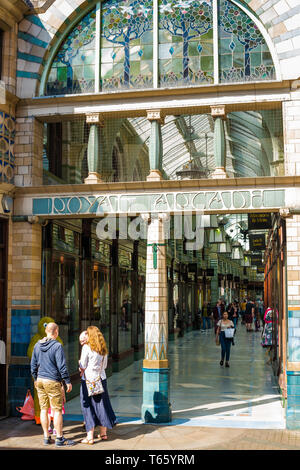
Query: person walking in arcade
[[267, 335], [225, 339]]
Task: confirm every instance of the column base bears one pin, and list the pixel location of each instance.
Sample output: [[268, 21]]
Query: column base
[[156, 407], [154, 175], [219, 173], [93, 178]]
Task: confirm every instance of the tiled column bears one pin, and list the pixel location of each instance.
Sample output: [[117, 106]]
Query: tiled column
[[28, 152], [291, 122], [293, 321], [218, 113], [156, 407], [155, 146], [25, 305], [94, 148]]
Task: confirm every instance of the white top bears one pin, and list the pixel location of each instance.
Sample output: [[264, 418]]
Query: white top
[[224, 325], [91, 361]]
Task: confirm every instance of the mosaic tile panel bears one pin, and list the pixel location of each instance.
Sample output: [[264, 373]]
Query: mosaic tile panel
[[127, 44], [186, 42], [7, 140], [243, 52], [73, 69]]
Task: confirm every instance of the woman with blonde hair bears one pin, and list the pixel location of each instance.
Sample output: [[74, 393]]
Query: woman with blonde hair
[[96, 409]]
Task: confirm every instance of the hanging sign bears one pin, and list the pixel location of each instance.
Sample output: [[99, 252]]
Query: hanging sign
[[257, 242], [256, 260], [260, 270], [259, 221]]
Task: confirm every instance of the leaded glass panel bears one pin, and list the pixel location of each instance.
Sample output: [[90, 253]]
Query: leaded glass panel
[[185, 47], [127, 44], [185, 42], [243, 52], [73, 69]]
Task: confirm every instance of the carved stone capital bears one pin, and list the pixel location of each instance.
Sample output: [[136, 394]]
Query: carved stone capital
[[164, 216], [95, 118], [218, 111], [285, 213], [146, 217], [295, 84], [155, 115]]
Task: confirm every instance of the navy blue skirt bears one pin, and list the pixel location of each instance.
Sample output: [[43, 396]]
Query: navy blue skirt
[[97, 409]]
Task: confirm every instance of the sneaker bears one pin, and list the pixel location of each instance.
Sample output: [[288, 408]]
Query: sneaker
[[62, 441], [227, 364], [47, 441], [221, 362]]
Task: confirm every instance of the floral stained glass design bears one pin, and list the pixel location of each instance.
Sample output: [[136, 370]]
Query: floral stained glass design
[[185, 42], [185, 47], [243, 52], [73, 69], [127, 44]]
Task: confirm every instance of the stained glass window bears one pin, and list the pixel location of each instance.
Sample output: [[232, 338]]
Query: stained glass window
[[127, 44], [243, 52], [185, 53], [185, 42], [73, 69]]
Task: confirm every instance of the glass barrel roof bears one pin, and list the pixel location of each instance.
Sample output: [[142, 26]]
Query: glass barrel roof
[[190, 138]]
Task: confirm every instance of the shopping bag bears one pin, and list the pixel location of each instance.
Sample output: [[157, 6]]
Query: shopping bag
[[28, 407], [229, 332]]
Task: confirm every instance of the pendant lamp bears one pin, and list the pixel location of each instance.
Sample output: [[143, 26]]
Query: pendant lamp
[[237, 252]]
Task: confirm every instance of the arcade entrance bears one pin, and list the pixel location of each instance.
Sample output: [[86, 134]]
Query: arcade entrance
[[109, 273]]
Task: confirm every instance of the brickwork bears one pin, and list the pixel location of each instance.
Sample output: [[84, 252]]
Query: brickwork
[[8, 74], [291, 122], [28, 152], [293, 260]]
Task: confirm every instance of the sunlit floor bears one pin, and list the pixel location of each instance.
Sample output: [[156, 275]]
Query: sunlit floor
[[202, 393]]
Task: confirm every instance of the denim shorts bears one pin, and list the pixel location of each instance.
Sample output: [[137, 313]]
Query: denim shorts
[[49, 394]]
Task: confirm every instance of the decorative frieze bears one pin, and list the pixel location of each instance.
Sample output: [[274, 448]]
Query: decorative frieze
[[7, 141]]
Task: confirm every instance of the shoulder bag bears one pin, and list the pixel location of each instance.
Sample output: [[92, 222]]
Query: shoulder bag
[[95, 387]]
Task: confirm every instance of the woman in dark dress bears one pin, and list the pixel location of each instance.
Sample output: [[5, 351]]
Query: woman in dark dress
[[96, 409]]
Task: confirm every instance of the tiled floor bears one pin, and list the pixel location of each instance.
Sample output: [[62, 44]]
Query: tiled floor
[[202, 393]]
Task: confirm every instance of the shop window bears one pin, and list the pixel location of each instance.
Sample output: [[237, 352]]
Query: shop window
[[101, 299]]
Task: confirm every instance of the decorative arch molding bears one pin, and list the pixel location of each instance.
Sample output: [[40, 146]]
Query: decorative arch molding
[[41, 33]]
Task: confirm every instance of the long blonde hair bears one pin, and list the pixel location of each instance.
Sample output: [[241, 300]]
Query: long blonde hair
[[96, 340]]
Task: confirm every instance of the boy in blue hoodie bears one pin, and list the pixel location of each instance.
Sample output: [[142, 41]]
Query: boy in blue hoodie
[[48, 368]]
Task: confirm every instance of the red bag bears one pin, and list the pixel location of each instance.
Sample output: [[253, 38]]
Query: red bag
[[28, 407]]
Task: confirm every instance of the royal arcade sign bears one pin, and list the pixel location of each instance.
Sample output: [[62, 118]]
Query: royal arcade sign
[[166, 201]]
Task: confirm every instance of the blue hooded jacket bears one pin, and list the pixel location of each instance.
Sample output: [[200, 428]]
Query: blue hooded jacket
[[48, 361]]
